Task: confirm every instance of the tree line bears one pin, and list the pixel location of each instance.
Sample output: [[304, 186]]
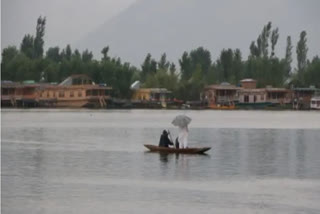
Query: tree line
[[196, 66]]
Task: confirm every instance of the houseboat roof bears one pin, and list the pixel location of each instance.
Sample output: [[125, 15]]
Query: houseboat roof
[[307, 89], [222, 87], [245, 90], [248, 80], [154, 90], [10, 84], [62, 87], [277, 90], [82, 80]]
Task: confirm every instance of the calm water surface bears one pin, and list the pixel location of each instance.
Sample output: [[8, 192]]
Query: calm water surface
[[66, 161]]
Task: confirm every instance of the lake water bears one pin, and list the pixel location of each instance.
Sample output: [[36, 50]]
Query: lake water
[[92, 161]]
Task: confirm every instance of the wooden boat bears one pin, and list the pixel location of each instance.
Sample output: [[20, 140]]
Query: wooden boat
[[154, 148]]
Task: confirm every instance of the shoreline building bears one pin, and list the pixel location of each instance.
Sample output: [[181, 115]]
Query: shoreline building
[[302, 97], [151, 97], [75, 91], [252, 97], [223, 96], [15, 94]]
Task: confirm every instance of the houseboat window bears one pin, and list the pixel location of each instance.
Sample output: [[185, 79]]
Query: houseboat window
[[71, 94], [95, 92], [255, 98], [4, 91], [79, 94], [246, 98], [88, 93], [313, 102], [61, 93], [106, 92], [262, 97]]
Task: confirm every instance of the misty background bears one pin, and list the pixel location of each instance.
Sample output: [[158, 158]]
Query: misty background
[[133, 28]]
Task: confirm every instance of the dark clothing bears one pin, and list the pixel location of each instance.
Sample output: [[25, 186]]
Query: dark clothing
[[165, 141], [177, 143]]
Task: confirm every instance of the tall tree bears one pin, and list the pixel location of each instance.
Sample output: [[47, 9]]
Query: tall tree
[[265, 39], [274, 40], [149, 67], [237, 65], [172, 68], [254, 50], [26, 46], [201, 57], [163, 63], [8, 55], [288, 57], [185, 66], [68, 52], [104, 52], [301, 51], [87, 56], [53, 54], [38, 40], [225, 64]]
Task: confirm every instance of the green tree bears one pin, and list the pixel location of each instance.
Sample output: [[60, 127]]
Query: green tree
[[163, 63], [149, 66], [26, 46], [53, 54], [201, 57], [312, 73], [87, 56], [172, 68], [301, 51], [288, 57], [185, 66], [104, 52], [225, 64], [274, 40], [7, 70], [38, 40]]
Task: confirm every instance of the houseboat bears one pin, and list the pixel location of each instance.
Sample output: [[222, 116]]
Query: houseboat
[[223, 96], [251, 97], [279, 96], [315, 103], [302, 97], [151, 97], [74, 92], [15, 94]]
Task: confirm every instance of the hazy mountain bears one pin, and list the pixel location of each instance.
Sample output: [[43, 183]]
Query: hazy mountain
[[173, 26]]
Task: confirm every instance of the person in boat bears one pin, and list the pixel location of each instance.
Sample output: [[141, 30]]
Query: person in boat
[[177, 143], [183, 137], [164, 139]]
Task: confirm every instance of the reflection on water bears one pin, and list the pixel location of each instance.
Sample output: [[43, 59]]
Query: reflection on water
[[60, 167]]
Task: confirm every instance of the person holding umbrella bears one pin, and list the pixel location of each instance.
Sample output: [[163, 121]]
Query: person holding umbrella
[[182, 121]]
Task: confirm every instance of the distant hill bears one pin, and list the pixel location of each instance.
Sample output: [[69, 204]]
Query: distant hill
[[173, 26]]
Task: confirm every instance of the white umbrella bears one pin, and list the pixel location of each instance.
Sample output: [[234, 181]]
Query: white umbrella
[[181, 120]]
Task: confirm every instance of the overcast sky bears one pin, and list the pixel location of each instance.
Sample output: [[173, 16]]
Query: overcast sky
[[133, 28], [67, 20]]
